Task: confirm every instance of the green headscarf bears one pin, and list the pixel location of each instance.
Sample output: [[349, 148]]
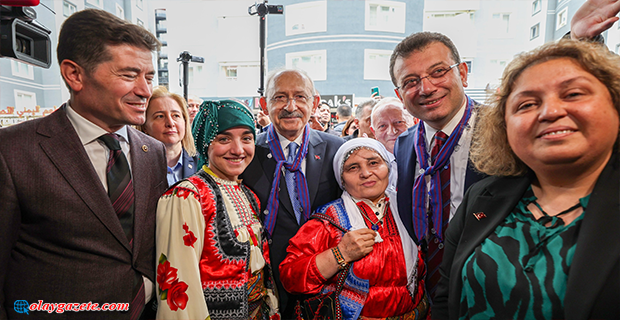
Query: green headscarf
[[215, 117]]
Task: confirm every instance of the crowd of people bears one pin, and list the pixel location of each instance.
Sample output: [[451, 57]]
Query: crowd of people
[[427, 205]]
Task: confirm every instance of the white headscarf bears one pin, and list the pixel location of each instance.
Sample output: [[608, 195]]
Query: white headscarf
[[355, 217]]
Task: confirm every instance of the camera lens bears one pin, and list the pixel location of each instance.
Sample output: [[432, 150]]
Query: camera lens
[[22, 45]]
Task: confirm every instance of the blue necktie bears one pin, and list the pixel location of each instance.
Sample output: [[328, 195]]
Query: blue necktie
[[289, 177]]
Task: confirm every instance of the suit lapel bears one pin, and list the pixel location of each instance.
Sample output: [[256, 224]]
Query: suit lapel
[[142, 182], [598, 245], [66, 152], [315, 160], [496, 202]]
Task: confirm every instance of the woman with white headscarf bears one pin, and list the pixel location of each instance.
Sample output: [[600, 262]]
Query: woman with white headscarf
[[386, 276]]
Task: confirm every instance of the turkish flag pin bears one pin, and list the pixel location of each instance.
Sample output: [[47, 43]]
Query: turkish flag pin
[[479, 215]]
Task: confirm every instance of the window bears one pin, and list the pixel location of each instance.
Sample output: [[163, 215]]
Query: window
[[120, 12], [388, 16], [501, 22], [140, 4], [68, 8], [25, 100], [98, 3], [140, 22], [536, 6], [163, 64], [561, 18], [231, 72], [313, 62], [535, 31], [21, 69], [306, 17], [377, 64]]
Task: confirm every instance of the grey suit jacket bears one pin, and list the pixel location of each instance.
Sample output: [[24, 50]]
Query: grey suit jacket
[[60, 238], [593, 287], [322, 188]]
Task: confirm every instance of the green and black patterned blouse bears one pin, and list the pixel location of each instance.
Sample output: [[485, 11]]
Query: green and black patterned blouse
[[520, 271]]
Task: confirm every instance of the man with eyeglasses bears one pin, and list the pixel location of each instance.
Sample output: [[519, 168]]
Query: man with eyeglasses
[[291, 172], [432, 156]]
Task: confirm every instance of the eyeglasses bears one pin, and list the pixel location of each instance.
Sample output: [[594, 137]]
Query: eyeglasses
[[282, 99], [435, 77]]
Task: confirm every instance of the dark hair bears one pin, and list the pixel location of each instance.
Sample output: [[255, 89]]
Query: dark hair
[[85, 35], [344, 110], [417, 42]]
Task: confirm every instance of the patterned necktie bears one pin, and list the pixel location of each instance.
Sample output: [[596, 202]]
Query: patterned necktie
[[120, 186], [289, 177], [435, 247], [120, 190]]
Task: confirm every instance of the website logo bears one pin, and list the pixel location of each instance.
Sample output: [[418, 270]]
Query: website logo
[[21, 306]]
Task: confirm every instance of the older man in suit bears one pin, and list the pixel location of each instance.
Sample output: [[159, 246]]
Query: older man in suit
[[291, 172], [79, 188]]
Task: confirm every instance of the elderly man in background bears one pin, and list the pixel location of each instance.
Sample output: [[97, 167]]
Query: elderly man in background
[[291, 172], [78, 194], [193, 105], [388, 120]]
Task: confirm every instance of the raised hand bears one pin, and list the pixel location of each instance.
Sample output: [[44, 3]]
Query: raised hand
[[594, 17]]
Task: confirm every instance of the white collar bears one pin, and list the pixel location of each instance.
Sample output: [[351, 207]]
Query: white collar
[[284, 142], [88, 131]]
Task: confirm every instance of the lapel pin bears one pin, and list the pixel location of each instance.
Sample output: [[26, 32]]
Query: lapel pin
[[145, 148], [317, 157], [269, 156], [479, 215]]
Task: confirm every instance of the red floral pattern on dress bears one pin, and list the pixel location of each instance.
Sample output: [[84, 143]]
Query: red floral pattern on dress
[[170, 288], [189, 238], [177, 298], [166, 275]]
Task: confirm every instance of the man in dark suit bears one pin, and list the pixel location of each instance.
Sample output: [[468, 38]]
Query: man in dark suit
[[430, 80], [71, 231], [289, 102]]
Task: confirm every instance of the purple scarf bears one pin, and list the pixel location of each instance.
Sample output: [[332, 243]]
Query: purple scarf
[[300, 179], [420, 220]]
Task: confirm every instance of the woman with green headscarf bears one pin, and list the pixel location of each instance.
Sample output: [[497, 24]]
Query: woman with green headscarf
[[212, 255]]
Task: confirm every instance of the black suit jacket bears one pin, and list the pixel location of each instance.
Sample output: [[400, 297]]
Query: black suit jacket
[[593, 288], [322, 188], [406, 160], [60, 238]]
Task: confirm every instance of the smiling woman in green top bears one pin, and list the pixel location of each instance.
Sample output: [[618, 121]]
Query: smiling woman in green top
[[540, 239]]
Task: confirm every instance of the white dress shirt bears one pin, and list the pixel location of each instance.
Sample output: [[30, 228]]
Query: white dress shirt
[[458, 159]]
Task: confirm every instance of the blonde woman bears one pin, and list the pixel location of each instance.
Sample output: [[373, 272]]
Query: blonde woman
[[167, 120]]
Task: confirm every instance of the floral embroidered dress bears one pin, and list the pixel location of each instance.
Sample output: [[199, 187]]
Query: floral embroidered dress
[[213, 262]]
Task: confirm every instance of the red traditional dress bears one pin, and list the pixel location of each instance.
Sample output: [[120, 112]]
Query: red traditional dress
[[378, 284], [213, 261]]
